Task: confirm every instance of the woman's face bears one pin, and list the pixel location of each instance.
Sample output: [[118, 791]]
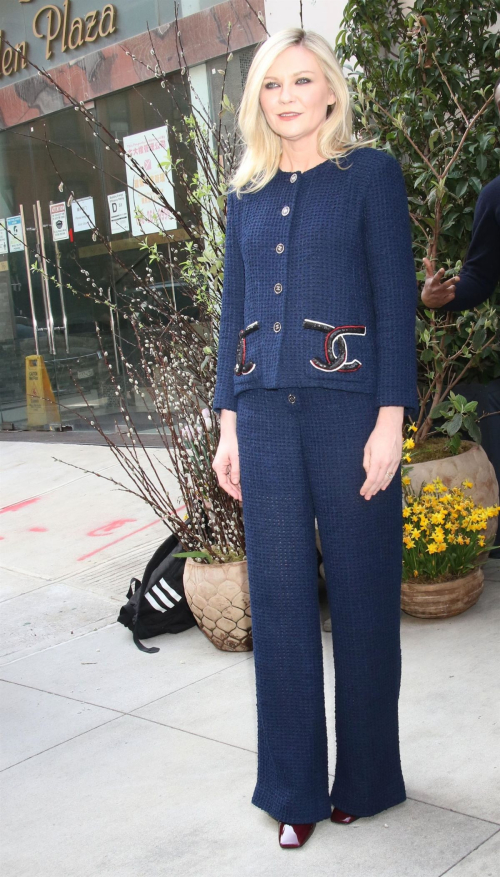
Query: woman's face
[[295, 94]]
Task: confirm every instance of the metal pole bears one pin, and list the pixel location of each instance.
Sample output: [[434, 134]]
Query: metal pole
[[30, 285], [171, 273], [113, 332], [61, 294], [45, 282]]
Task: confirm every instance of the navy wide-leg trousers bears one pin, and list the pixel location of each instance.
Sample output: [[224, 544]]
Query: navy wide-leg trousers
[[301, 453]]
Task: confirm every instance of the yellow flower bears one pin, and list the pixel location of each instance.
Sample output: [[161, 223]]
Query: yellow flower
[[406, 512], [414, 429], [415, 572], [438, 517], [438, 535], [406, 480], [407, 457], [409, 443], [432, 548], [409, 542], [467, 483]]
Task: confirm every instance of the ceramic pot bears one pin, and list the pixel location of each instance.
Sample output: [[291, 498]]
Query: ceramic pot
[[218, 596], [442, 599]]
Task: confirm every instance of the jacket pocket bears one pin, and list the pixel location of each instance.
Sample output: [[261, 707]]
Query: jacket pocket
[[335, 346], [243, 365]]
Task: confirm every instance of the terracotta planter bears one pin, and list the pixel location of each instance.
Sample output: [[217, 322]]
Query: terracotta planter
[[442, 599], [472, 464], [217, 594]]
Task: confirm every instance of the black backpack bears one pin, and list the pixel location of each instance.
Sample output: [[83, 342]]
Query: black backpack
[[158, 604]]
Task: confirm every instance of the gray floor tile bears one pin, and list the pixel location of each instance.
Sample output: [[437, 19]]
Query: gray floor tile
[[482, 862], [33, 721], [450, 708], [49, 616], [159, 801], [105, 667]]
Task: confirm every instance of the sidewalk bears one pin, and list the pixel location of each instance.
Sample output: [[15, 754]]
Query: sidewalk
[[115, 762]]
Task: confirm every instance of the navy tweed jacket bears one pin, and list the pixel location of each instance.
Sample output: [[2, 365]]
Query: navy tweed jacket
[[320, 285]]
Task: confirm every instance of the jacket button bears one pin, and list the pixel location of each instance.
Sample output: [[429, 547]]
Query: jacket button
[[291, 398], [277, 327], [293, 178], [285, 211], [280, 248], [278, 287]]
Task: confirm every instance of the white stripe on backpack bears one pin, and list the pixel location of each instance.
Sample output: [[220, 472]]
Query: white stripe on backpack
[[173, 593], [153, 603]]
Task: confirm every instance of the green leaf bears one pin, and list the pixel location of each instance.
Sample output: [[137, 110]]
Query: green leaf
[[481, 163], [473, 429], [455, 423], [471, 406], [439, 410]]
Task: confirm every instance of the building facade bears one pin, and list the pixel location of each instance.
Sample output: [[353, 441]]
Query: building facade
[[102, 58]]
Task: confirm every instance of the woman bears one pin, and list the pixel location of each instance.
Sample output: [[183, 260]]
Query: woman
[[316, 370]]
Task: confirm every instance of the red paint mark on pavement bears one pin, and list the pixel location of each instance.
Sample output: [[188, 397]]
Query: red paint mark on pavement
[[127, 536], [106, 529], [19, 505], [37, 529]]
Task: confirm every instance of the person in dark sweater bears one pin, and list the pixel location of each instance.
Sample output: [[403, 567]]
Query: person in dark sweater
[[474, 285]]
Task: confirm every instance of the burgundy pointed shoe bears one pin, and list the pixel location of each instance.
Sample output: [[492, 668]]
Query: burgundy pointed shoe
[[296, 834], [342, 817]]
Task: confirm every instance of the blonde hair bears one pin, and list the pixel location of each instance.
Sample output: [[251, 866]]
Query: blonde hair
[[262, 146]]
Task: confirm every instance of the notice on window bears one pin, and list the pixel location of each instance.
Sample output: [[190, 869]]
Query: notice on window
[[4, 248], [83, 214], [15, 234], [118, 212], [149, 149], [59, 222]]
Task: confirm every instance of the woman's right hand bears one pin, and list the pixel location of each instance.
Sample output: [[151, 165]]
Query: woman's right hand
[[226, 462]]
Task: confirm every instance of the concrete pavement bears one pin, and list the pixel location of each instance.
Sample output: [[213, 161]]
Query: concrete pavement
[[115, 762]]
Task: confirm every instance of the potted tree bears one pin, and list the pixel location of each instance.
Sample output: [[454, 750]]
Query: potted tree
[[170, 373], [422, 83]]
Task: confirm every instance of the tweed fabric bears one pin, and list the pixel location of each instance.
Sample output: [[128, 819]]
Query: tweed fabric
[[320, 284], [301, 452]]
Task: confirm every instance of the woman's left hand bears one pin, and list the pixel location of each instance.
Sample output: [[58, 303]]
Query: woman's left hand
[[382, 453]]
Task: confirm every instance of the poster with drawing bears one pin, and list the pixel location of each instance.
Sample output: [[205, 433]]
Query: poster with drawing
[[149, 149], [15, 234]]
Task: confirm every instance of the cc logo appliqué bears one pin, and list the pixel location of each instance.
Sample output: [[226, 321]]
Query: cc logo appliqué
[[243, 366], [335, 361]]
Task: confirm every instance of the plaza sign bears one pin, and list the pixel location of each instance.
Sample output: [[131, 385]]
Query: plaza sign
[[59, 28]]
